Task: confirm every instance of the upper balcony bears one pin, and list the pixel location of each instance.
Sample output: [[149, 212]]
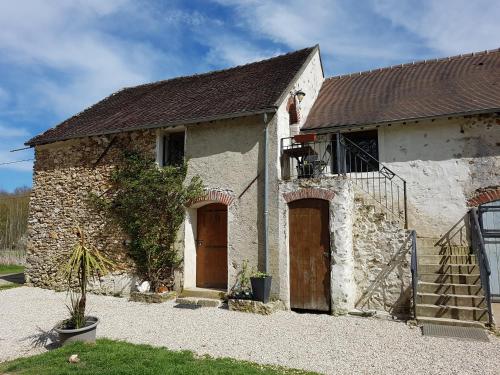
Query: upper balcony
[[333, 154]]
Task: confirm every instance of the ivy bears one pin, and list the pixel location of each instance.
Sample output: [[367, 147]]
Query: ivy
[[148, 202]]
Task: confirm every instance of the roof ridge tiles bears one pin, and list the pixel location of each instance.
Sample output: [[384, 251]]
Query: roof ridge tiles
[[413, 63]]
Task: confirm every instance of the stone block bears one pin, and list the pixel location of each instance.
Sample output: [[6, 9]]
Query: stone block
[[208, 302], [203, 302], [152, 297], [186, 301], [255, 307]]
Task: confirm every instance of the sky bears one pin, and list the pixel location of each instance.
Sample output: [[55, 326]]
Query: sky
[[59, 57]]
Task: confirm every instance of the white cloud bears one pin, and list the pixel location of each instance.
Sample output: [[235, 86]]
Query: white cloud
[[447, 26], [12, 137], [234, 50], [68, 38], [4, 97], [343, 30], [11, 132], [360, 32]]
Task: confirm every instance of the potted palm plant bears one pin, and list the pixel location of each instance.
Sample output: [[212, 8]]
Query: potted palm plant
[[261, 286], [85, 263]]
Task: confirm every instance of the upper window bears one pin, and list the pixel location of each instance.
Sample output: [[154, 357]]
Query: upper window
[[357, 160], [172, 149], [366, 140]]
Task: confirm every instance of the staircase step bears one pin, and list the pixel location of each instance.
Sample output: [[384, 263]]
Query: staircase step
[[204, 302], [450, 322], [452, 312], [449, 278], [427, 241], [446, 259], [203, 293], [448, 288], [465, 269], [451, 300], [446, 250]]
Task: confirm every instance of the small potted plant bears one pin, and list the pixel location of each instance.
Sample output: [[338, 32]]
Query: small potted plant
[[261, 286], [241, 289], [85, 262]]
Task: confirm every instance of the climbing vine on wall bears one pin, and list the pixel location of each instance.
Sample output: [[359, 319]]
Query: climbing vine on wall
[[148, 202]]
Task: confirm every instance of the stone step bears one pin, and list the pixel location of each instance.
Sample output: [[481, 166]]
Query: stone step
[[203, 293], [465, 269], [449, 278], [448, 250], [444, 288], [446, 259], [452, 312], [450, 322], [451, 300], [427, 241], [203, 302]]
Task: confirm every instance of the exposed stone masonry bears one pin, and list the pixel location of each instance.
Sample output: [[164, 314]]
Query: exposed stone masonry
[[64, 175], [382, 261]]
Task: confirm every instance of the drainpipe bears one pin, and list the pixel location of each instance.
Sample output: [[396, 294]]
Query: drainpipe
[[266, 193]]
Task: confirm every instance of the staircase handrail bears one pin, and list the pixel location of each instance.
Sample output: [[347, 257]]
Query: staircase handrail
[[385, 172], [479, 249], [414, 270], [369, 156]]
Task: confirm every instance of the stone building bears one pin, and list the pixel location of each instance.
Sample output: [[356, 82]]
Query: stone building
[[329, 185]]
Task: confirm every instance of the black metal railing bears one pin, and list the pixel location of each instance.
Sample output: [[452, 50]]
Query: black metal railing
[[414, 270], [478, 247], [333, 154]]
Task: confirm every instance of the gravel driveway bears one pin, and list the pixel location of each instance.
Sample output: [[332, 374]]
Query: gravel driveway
[[334, 345]]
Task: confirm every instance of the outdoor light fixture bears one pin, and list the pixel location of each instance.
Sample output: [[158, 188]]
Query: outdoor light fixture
[[300, 95]]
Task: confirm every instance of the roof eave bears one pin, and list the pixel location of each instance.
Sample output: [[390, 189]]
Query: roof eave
[[329, 128], [160, 125]]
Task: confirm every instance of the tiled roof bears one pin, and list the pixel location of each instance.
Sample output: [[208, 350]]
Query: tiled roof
[[455, 85], [245, 89]]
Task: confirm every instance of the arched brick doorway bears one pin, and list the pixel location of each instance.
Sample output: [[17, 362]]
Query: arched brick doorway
[[211, 246]]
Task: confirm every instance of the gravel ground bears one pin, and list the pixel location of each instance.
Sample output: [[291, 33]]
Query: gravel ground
[[334, 345]]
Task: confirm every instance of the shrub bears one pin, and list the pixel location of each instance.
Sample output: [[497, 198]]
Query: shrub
[[148, 202]]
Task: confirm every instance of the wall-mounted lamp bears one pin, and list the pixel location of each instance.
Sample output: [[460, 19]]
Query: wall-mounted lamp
[[300, 95]]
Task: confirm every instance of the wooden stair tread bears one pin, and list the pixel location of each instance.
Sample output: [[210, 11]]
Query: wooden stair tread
[[450, 295], [468, 308]]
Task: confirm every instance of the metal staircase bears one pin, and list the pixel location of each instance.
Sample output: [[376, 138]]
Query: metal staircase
[[451, 282], [449, 289]]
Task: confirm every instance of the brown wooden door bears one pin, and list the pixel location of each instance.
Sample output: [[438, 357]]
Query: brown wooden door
[[211, 247], [309, 254]]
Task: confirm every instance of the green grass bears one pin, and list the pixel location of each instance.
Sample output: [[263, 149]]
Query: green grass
[[9, 286], [118, 357], [5, 269]]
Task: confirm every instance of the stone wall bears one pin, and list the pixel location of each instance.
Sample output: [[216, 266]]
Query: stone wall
[[382, 255], [64, 175], [370, 268], [446, 163]]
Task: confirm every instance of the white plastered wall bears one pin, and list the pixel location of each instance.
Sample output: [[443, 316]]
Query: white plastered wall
[[444, 162]]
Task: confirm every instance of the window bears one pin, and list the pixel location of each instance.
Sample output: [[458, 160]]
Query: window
[[357, 160], [172, 149], [368, 142]]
